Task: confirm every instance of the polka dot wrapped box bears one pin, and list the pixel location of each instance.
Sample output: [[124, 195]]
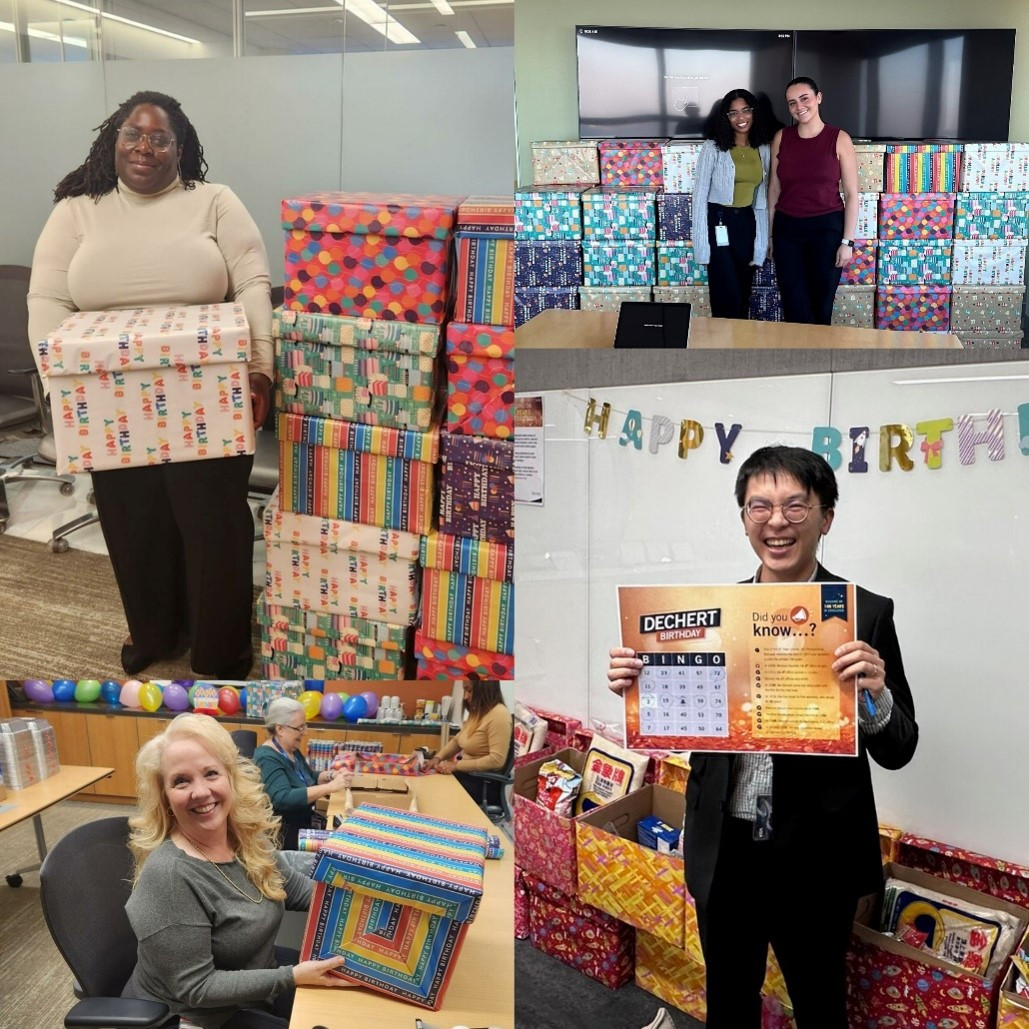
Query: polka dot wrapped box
[[480, 380], [395, 892], [369, 255], [439, 659]]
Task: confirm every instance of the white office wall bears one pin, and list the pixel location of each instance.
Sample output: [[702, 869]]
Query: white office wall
[[436, 121]]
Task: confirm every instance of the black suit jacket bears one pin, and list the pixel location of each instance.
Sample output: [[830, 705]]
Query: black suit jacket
[[823, 809]]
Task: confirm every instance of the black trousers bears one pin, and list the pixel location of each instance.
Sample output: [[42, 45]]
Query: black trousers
[[804, 250], [181, 540], [730, 274], [765, 895], [281, 1006]]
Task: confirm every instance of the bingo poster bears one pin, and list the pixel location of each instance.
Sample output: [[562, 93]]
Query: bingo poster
[[739, 668]]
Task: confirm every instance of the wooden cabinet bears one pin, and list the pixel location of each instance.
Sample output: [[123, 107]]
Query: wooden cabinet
[[113, 741], [72, 741], [148, 728]]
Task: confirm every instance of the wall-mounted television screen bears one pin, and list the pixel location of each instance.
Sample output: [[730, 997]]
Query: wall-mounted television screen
[[639, 83], [912, 83]]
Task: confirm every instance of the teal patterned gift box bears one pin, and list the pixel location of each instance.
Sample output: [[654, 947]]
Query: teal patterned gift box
[[676, 267], [616, 214], [546, 212], [991, 216], [925, 262], [628, 263]]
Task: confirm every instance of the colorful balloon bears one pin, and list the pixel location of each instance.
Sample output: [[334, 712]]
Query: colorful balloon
[[175, 697], [130, 693], [356, 707], [243, 698], [150, 696], [39, 691], [87, 690], [110, 691], [228, 700], [372, 700], [64, 689], [311, 702], [332, 706]]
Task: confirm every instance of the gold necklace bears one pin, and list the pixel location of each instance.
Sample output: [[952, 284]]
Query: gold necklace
[[203, 853]]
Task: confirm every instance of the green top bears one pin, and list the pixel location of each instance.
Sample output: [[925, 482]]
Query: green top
[[748, 175]]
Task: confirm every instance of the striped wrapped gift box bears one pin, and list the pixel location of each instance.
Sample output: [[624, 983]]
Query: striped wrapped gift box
[[485, 278], [338, 567], [468, 556], [395, 892], [440, 659], [357, 473], [923, 167], [492, 215], [468, 610]]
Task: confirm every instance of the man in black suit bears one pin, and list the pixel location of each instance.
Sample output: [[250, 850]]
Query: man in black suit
[[796, 885]]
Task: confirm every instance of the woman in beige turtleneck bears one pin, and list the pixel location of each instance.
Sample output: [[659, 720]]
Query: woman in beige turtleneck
[[137, 225]]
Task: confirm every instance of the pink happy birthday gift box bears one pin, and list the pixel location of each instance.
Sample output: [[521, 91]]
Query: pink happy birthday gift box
[[149, 386]]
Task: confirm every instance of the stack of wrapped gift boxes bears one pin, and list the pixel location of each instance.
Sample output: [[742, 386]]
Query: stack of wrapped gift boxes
[[619, 230], [359, 392], [467, 609], [679, 278]]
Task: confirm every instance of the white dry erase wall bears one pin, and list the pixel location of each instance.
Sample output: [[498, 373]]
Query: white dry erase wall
[[950, 546]]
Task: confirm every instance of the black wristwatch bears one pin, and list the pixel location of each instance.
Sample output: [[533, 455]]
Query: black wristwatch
[[847, 243]]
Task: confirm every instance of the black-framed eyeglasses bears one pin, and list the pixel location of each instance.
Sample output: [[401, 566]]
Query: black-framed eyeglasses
[[159, 142], [296, 728], [739, 112], [794, 511]]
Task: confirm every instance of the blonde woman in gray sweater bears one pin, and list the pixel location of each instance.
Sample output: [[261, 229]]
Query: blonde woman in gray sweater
[[730, 223]]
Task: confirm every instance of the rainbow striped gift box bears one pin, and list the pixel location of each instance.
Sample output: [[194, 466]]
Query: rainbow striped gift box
[[485, 278], [357, 473], [923, 167], [395, 892]]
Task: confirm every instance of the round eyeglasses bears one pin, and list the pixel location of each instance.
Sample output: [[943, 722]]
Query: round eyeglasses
[[159, 142], [794, 511], [740, 112]]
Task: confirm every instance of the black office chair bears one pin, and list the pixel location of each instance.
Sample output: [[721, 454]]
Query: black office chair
[[494, 800], [84, 884], [245, 740]]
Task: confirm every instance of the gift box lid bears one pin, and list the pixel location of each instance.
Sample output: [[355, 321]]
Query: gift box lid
[[563, 144], [332, 535], [480, 340], [493, 215], [610, 145], [477, 450], [553, 192], [604, 195], [409, 444], [364, 333], [468, 556], [90, 342], [382, 214], [335, 627]]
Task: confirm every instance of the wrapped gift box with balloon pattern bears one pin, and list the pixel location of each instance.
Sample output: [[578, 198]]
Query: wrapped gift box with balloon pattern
[[548, 262], [916, 216], [361, 473], [631, 162], [912, 308], [611, 213], [584, 938], [991, 216], [626, 263], [477, 487], [679, 165], [855, 306], [485, 278], [860, 270], [611, 298], [698, 296], [149, 386], [338, 567], [395, 892], [356, 369], [440, 659], [674, 216], [480, 380], [533, 301], [565, 161], [676, 267], [368, 254], [549, 212]]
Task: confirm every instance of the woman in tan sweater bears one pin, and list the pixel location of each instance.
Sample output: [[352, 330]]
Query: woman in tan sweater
[[484, 739], [138, 225]]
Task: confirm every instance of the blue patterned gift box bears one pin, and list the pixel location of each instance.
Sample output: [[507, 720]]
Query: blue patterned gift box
[[547, 262], [616, 214], [675, 216], [676, 267], [991, 216], [628, 263], [765, 275], [765, 304], [549, 212], [921, 262], [530, 302]]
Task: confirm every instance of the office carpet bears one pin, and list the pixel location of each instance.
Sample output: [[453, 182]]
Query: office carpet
[[550, 995], [60, 615], [35, 984]]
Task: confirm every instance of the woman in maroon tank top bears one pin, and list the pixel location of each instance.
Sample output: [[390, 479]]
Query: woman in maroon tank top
[[811, 229]]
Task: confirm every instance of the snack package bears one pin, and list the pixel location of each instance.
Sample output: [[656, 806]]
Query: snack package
[[610, 772], [657, 835], [558, 787], [530, 731], [978, 939]]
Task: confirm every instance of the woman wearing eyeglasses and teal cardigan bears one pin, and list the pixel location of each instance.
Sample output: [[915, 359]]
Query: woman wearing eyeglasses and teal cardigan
[[138, 225], [730, 224]]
